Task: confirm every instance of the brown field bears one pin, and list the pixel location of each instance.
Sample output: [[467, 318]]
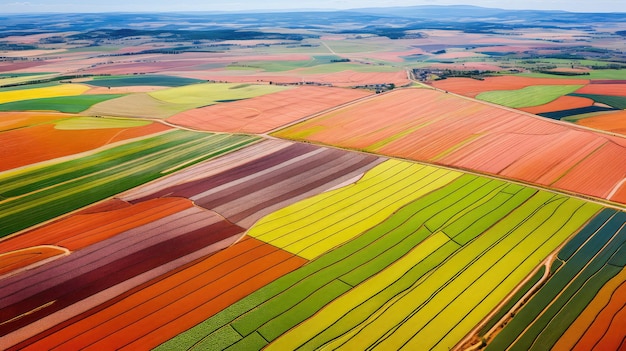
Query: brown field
[[264, 113], [562, 103]]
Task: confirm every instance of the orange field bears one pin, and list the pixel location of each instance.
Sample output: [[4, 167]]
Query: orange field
[[607, 332], [604, 89], [15, 260], [428, 125], [159, 310], [264, 113], [613, 122], [83, 229], [14, 120], [562, 103], [472, 87], [17, 150]]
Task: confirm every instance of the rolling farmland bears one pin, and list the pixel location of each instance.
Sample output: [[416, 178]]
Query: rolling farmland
[[413, 178], [382, 276], [426, 127], [73, 184]]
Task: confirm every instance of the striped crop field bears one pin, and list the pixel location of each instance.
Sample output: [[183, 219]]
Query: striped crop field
[[169, 102], [249, 184], [592, 258], [91, 276], [67, 104], [211, 93], [419, 275], [433, 126], [44, 92], [63, 136], [264, 113], [529, 96], [34, 194], [600, 325]]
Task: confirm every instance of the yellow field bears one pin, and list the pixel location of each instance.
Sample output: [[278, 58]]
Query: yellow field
[[355, 297], [38, 93], [211, 93], [316, 225]]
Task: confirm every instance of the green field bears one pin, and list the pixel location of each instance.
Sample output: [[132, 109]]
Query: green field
[[34, 194], [529, 96], [618, 102], [142, 80], [591, 258], [424, 277], [67, 104]]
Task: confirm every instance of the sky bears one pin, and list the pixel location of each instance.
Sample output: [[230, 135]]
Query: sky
[[37, 6]]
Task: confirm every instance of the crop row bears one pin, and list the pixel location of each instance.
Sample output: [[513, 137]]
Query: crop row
[[35, 194], [93, 275], [592, 258], [403, 280], [437, 127], [253, 182]]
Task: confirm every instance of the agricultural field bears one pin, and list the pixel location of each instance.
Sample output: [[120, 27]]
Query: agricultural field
[[268, 112], [165, 103], [411, 178], [426, 127]]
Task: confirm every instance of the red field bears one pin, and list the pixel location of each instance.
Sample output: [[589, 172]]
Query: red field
[[17, 150], [95, 274], [472, 87], [612, 122], [604, 89], [89, 227], [264, 113], [562, 103], [16, 260], [432, 126], [163, 308]]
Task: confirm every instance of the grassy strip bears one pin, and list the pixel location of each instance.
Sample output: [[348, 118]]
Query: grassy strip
[[549, 293], [529, 96], [86, 123], [67, 104], [73, 184]]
